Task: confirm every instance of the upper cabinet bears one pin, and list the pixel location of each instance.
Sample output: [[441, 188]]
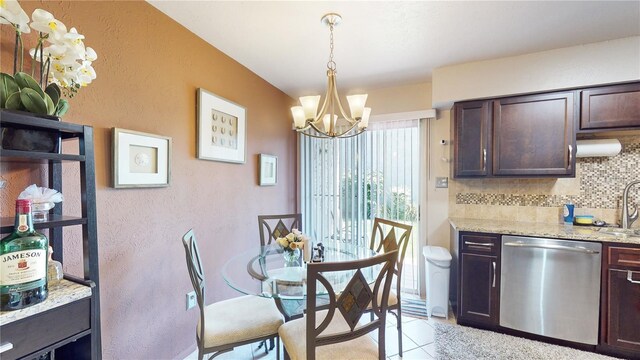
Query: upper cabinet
[[534, 135], [610, 107], [472, 137], [524, 136]]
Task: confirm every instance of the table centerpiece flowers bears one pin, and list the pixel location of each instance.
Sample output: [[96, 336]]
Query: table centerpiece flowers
[[292, 244]]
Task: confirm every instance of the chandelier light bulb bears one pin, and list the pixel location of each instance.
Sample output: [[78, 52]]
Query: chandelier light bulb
[[299, 119], [310, 106], [356, 105]]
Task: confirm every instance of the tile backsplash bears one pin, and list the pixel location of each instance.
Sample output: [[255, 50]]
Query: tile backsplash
[[596, 190]]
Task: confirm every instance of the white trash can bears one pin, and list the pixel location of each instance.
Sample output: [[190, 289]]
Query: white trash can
[[437, 267]]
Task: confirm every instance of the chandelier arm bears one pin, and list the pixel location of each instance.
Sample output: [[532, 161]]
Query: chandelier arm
[[316, 128], [337, 100], [351, 135], [347, 131], [325, 103]]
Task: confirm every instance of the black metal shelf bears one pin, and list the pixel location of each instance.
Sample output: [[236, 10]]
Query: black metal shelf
[[31, 156], [89, 345], [54, 221]]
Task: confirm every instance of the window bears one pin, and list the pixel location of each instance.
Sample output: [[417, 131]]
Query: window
[[346, 183]]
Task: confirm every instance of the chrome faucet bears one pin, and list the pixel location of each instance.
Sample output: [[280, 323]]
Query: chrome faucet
[[627, 219]]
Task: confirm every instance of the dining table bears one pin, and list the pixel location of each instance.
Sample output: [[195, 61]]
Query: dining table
[[263, 271]]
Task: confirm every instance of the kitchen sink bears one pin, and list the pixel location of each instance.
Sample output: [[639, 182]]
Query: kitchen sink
[[620, 232]]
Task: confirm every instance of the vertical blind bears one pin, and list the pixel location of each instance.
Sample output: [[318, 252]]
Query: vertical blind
[[346, 183]]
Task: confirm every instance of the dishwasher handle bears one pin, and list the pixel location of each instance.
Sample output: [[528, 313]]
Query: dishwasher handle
[[578, 249], [630, 277]]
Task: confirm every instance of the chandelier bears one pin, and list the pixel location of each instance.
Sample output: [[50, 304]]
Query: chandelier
[[326, 123]]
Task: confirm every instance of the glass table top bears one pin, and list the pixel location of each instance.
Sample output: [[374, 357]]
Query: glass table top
[[261, 271]]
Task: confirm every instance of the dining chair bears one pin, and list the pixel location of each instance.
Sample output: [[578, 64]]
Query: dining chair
[[275, 226], [336, 330], [226, 324], [383, 239]]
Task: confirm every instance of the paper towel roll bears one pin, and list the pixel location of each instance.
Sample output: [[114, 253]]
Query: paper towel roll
[[599, 147]]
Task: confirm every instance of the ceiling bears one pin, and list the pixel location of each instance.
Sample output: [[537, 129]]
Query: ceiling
[[388, 43]]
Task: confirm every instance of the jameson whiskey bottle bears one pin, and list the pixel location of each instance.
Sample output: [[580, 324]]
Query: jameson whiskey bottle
[[23, 263]]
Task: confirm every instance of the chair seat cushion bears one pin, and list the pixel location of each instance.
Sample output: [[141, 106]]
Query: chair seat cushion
[[239, 319], [393, 299], [293, 335]]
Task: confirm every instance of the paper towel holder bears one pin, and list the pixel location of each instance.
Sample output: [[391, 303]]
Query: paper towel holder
[[598, 148]]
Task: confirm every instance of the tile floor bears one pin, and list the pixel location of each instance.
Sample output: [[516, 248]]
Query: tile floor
[[417, 342]]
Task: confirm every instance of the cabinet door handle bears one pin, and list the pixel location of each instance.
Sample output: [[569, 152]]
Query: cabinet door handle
[[570, 156], [629, 274], [484, 159], [5, 347], [494, 274], [471, 243]]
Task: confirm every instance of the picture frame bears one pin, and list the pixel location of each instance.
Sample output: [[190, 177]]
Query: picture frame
[[222, 129], [140, 159], [268, 170]]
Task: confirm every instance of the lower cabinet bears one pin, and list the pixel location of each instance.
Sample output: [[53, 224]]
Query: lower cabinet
[[479, 281], [621, 301]]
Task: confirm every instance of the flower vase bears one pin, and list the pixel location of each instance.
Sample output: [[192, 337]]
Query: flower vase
[[14, 137], [291, 258]]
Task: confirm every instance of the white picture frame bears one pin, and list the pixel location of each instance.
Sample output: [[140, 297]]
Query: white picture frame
[[140, 159], [268, 170], [222, 129]]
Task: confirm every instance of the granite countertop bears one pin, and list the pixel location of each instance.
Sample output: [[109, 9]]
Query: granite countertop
[[556, 231], [61, 294]]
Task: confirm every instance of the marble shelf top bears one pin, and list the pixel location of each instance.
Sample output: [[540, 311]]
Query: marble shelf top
[[64, 293], [556, 231]]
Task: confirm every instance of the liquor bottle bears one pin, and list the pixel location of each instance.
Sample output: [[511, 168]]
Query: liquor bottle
[[23, 262]]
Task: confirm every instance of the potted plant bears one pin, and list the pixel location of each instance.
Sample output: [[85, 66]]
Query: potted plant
[[60, 65]]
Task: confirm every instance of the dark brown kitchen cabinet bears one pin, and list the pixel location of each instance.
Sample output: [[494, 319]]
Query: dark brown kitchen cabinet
[[534, 135], [621, 301], [472, 139], [479, 280], [610, 107]]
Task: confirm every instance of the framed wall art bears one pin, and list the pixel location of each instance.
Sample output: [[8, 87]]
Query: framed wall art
[[222, 129], [140, 159], [268, 169]]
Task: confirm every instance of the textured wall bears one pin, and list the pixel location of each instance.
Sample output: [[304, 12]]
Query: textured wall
[[149, 68], [596, 190]]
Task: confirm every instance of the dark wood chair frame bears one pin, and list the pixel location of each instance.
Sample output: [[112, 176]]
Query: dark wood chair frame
[[266, 233], [194, 265], [401, 245], [315, 274]]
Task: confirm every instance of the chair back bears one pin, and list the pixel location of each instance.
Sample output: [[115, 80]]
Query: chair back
[[352, 302], [389, 235], [275, 226], [194, 266]]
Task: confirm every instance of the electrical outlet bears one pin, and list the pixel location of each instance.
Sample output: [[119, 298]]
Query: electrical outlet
[[191, 299]]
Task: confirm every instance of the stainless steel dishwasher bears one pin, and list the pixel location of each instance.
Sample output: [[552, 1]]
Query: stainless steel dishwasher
[[551, 287]]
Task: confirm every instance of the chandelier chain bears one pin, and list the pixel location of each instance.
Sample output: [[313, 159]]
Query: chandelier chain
[[331, 65]]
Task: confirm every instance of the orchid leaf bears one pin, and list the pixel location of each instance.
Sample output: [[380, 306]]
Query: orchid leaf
[[25, 81], [32, 101], [51, 107], [14, 102], [54, 93], [62, 108], [8, 86]]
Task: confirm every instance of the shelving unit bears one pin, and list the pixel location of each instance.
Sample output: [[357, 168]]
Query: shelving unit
[[65, 329]]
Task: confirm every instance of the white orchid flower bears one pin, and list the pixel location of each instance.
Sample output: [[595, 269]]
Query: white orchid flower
[[11, 13], [44, 22], [90, 54]]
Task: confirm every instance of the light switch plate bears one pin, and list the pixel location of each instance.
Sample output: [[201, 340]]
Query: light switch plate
[[442, 182]]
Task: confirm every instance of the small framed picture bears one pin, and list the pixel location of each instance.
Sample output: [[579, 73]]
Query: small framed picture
[[140, 159], [268, 170], [222, 129]]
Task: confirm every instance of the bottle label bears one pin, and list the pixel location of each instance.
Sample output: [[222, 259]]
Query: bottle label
[[565, 213], [23, 225], [23, 266]]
